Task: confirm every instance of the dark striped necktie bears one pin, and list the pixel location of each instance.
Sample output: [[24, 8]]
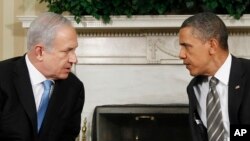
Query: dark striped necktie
[[215, 127]]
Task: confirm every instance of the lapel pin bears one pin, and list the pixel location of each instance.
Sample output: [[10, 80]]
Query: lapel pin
[[237, 87]]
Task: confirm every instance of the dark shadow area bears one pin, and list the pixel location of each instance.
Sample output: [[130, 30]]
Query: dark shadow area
[[141, 123]]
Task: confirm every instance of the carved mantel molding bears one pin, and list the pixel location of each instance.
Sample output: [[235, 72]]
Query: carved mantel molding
[[143, 39], [157, 21]]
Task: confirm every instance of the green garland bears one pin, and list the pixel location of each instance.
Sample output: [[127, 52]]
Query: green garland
[[103, 9]]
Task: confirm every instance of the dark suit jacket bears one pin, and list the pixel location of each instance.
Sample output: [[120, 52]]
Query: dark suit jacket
[[18, 116], [238, 98]]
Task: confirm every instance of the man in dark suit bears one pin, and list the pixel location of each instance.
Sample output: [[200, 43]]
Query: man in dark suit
[[204, 50], [52, 41]]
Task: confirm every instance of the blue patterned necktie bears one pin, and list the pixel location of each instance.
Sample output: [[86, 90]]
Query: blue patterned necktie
[[215, 127], [44, 103]]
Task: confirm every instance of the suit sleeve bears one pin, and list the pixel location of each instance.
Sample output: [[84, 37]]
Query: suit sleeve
[[1, 104], [73, 124]]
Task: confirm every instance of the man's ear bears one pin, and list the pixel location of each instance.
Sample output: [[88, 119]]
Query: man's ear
[[39, 51], [214, 44]]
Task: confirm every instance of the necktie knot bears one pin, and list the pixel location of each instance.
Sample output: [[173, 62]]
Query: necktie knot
[[213, 82], [47, 84]]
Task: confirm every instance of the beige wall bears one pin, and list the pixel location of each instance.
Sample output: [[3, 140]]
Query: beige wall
[[12, 35]]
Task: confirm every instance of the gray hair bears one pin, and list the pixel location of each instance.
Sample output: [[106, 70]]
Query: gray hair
[[207, 25], [44, 28]]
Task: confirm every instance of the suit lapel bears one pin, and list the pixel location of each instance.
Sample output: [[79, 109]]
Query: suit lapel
[[190, 89], [24, 91], [235, 89], [199, 128], [191, 95]]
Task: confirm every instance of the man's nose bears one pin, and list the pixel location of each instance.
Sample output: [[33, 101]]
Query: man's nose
[[182, 54], [73, 58]]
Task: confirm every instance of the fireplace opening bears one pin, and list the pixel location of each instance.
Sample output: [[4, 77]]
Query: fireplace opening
[[141, 123]]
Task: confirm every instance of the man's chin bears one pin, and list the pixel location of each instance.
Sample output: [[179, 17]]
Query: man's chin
[[63, 76], [193, 73]]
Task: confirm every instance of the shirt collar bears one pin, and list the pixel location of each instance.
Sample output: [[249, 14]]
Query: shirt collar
[[223, 73], [36, 77]]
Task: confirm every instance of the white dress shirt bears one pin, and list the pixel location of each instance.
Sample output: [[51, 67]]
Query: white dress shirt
[[201, 92], [36, 79]]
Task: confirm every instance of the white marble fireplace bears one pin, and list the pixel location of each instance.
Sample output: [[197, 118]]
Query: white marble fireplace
[[135, 61]]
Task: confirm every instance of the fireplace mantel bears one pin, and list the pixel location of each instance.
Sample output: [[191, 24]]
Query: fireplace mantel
[[157, 21], [155, 38]]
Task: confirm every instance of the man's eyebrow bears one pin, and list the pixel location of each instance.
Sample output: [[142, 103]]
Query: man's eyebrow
[[70, 48], [184, 44]]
